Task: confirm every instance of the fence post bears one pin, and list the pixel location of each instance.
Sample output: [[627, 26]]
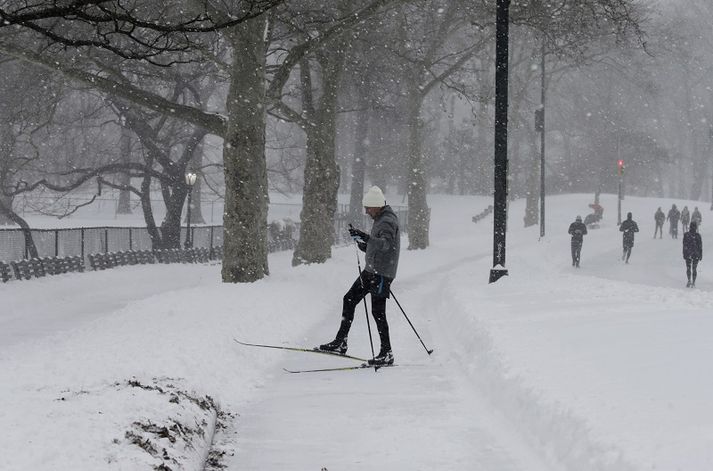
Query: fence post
[[82, 241], [106, 240], [211, 236], [131, 243], [56, 242]]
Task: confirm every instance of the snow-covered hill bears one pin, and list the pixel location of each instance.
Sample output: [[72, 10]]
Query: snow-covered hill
[[606, 367]]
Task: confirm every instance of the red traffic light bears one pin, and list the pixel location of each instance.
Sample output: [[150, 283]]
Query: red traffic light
[[621, 163], [620, 166]]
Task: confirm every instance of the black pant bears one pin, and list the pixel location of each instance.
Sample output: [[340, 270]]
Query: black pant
[[576, 251], [691, 265], [627, 252], [379, 287]]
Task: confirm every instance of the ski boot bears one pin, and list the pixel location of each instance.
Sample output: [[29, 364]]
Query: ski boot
[[384, 358], [336, 346]]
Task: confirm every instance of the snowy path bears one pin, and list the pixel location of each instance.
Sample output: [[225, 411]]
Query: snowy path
[[422, 415], [408, 418]]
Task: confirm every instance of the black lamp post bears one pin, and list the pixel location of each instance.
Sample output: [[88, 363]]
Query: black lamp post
[[501, 140], [190, 181]]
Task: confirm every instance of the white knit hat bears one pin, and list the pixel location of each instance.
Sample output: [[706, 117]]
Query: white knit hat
[[374, 198]]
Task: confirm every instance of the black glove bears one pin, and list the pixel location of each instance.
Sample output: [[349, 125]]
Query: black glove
[[358, 236]]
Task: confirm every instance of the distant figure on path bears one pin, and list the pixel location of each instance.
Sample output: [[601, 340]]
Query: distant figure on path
[[696, 216], [628, 227], [659, 218], [685, 219], [673, 216], [692, 253], [578, 230]]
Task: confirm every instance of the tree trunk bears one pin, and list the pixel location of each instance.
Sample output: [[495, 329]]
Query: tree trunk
[[321, 177], [124, 204], [6, 150], [154, 233], [7, 202], [196, 204], [700, 168], [418, 213], [171, 224], [359, 166], [246, 198], [26, 231], [532, 194]]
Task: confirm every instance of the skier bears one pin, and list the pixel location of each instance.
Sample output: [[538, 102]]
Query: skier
[[696, 216], [685, 219], [659, 218], [381, 260], [692, 253], [628, 227], [673, 216], [578, 230]]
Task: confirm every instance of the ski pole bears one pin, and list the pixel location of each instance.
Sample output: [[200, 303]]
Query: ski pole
[[366, 310], [409, 323]]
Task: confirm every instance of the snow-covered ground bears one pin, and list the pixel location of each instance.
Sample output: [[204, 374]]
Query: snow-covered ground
[[606, 367]]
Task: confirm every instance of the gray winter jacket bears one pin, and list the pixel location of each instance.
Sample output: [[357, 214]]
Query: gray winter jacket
[[382, 250]]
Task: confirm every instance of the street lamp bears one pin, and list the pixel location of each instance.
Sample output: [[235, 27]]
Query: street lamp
[[501, 140], [190, 181]]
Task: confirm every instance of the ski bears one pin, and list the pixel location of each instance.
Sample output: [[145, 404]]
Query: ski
[[343, 368], [299, 349]]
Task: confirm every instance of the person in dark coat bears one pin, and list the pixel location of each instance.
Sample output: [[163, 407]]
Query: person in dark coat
[[577, 230], [628, 227], [381, 261], [673, 216], [692, 252], [659, 218], [685, 219]]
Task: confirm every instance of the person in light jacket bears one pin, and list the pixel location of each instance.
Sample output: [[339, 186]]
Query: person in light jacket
[[696, 216], [659, 219], [685, 219], [382, 247], [673, 216]]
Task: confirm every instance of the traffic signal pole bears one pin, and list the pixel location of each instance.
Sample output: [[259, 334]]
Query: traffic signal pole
[[542, 142], [620, 171]]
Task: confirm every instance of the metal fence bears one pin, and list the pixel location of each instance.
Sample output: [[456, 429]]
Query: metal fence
[[83, 241]]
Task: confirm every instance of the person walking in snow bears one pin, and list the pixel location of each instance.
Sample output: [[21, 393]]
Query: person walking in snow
[[692, 253], [382, 247], [685, 219], [659, 218], [628, 227], [577, 230], [696, 216], [673, 216]]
